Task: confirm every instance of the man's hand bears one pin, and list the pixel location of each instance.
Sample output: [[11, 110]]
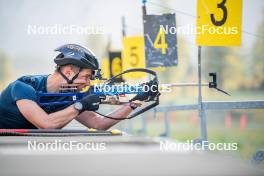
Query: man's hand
[[135, 104], [153, 91], [90, 103]]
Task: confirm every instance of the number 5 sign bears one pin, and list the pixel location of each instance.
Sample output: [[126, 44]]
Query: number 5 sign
[[219, 22], [133, 56]]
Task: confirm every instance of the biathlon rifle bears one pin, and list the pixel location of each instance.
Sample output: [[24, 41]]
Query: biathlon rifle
[[72, 97]]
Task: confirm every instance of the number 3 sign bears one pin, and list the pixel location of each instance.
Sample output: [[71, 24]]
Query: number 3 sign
[[219, 22]]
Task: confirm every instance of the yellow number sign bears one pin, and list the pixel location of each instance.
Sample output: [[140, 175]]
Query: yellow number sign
[[105, 68], [116, 63], [160, 41], [219, 22], [133, 56]]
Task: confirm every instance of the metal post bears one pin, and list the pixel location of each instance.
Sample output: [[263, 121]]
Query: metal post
[[130, 126], [166, 125], [144, 121], [124, 32], [143, 129], [144, 10], [203, 127], [123, 26]]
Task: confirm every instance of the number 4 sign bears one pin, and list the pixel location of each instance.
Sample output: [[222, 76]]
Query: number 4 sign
[[219, 22], [160, 40]]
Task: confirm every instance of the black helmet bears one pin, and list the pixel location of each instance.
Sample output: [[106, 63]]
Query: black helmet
[[76, 55]]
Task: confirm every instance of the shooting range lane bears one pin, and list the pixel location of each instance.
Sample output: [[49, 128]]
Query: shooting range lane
[[123, 155], [58, 132]]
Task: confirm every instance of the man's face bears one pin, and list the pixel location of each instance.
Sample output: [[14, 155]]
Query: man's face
[[83, 78]]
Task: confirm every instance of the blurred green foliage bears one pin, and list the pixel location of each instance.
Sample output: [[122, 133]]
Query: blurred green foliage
[[235, 70], [257, 65]]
